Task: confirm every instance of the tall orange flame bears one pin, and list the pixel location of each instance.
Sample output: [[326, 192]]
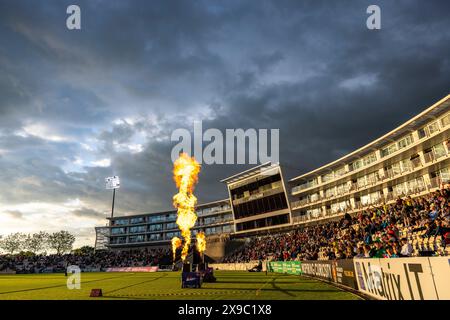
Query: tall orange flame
[[176, 243], [185, 174], [201, 242]]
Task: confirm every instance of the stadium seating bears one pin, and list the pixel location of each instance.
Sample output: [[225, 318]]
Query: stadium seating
[[407, 218]]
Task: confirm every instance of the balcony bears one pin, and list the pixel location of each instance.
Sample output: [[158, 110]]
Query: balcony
[[434, 182], [416, 163], [258, 195], [429, 157]]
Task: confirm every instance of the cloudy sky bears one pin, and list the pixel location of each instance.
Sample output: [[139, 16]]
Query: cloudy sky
[[77, 106]]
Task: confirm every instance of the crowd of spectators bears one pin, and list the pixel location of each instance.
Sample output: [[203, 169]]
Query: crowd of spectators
[[374, 232], [92, 261]]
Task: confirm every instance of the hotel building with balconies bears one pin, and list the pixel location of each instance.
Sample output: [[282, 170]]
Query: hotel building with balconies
[[157, 229]]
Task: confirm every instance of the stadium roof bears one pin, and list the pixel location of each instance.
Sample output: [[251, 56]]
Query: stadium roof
[[250, 172]]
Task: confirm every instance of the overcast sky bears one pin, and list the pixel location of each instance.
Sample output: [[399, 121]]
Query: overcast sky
[[77, 106]]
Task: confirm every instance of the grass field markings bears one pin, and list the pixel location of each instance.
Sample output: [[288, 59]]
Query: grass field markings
[[168, 288], [61, 285], [258, 291], [176, 294], [278, 288], [132, 285]]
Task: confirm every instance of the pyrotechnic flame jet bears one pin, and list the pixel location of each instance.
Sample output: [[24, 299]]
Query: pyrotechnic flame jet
[[185, 174], [176, 243], [201, 242]]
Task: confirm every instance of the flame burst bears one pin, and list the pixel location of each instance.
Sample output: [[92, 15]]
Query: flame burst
[[176, 243], [201, 242], [185, 174]]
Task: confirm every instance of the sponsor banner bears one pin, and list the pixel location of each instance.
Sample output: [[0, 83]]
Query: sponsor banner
[[343, 272], [289, 267], [132, 269], [319, 269], [396, 279], [441, 274]]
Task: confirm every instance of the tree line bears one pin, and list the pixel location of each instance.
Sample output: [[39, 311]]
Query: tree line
[[60, 242]]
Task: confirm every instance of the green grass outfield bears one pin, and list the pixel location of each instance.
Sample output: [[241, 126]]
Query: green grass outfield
[[231, 285]]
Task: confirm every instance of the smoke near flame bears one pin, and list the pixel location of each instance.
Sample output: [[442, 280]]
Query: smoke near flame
[[185, 174], [201, 242], [176, 243]]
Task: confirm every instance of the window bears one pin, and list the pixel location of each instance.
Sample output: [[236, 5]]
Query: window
[[445, 175], [137, 229], [276, 184], [439, 150], [314, 212], [154, 237], [211, 230], [339, 172], [445, 121], [406, 141], [226, 228], [361, 182], [329, 192], [388, 150], [118, 240], [139, 238], [118, 230], [327, 177], [355, 165], [406, 165], [305, 185], [370, 159], [314, 197], [211, 220], [155, 227], [171, 225], [422, 133], [396, 169], [372, 178], [334, 207], [121, 222], [365, 200], [170, 235], [400, 189], [156, 218], [137, 220], [433, 127]]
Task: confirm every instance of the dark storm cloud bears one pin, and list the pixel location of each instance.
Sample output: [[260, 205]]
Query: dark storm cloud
[[139, 69]]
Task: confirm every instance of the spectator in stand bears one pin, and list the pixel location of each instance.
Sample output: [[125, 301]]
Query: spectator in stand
[[340, 255], [99, 260], [390, 253], [434, 212], [367, 251], [379, 251], [407, 248], [360, 253], [349, 253], [440, 229]]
